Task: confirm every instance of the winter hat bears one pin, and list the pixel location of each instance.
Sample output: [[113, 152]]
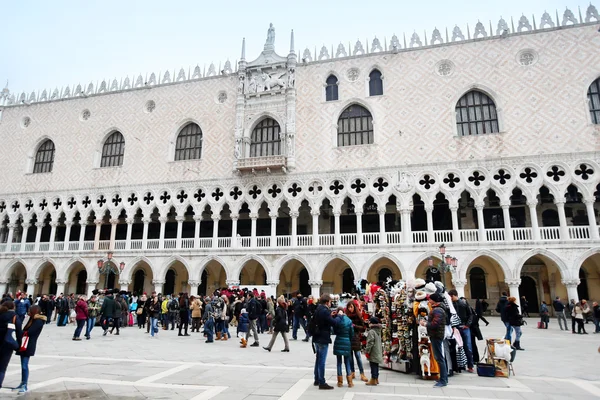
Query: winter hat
[[374, 321], [419, 283], [243, 311], [430, 288], [421, 295], [436, 297]]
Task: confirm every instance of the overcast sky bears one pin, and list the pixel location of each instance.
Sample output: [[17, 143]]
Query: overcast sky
[[48, 44]]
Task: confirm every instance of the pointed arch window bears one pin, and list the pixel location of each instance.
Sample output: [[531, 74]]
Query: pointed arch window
[[476, 114], [44, 158], [355, 126], [331, 88], [189, 143], [375, 83], [113, 151], [594, 101], [265, 139]]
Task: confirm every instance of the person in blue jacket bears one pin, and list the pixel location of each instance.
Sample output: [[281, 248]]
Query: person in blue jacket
[[342, 347]]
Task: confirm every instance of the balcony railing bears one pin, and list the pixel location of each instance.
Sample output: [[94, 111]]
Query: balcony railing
[[261, 162], [495, 235]]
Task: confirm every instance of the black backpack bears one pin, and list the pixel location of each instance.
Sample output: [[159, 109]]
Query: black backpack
[[252, 309], [313, 327]]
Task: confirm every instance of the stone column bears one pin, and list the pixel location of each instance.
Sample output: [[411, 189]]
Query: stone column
[[60, 286], [124, 283], [481, 222], [253, 218], [68, 226], [197, 220], [589, 207], [91, 286], [82, 225], [4, 286], [571, 285], [294, 216], [315, 288], [53, 225], [31, 283], [382, 232], [194, 285], [38, 234], [113, 232], [564, 230], [146, 221], [459, 285], [158, 285], [455, 230], [337, 239], [11, 232], [163, 222], [359, 230], [274, 215], [179, 219], [129, 222], [234, 224], [273, 284], [98, 223], [215, 236], [430, 234], [507, 227], [535, 228], [25, 226], [513, 289], [315, 226], [406, 224]]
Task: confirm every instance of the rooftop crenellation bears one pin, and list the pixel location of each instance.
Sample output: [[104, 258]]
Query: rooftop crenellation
[[501, 29]]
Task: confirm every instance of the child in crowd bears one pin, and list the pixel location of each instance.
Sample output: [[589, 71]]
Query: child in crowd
[[373, 350], [242, 328]]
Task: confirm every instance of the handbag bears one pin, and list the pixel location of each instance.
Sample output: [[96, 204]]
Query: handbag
[[24, 342], [139, 311], [10, 338], [486, 370], [540, 325]]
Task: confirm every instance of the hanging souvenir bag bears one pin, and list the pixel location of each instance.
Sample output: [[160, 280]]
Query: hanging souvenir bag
[[24, 342]]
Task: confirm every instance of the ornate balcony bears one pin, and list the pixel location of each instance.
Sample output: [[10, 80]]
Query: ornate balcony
[[261, 163]]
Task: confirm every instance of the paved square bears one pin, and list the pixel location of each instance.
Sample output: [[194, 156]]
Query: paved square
[[556, 365]]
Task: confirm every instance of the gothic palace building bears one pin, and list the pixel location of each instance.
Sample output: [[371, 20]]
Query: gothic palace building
[[312, 171]]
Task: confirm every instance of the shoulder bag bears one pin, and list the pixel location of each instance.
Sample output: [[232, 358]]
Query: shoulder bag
[[10, 338]]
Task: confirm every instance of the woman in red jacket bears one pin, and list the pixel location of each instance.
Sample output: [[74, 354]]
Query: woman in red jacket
[[81, 311]]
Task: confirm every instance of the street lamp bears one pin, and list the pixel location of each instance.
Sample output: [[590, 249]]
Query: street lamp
[[447, 264], [108, 266]]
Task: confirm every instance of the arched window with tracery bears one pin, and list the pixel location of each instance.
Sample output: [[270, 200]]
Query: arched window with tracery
[[477, 283], [189, 143], [594, 101], [476, 114], [375, 83], [355, 126], [113, 150], [44, 157], [265, 139], [331, 88]]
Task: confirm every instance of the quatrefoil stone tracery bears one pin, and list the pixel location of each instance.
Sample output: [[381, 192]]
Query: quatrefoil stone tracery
[[502, 177], [358, 185], [528, 175], [294, 189], [235, 193], [427, 182], [451, 180], [477, 178], [555, 173], [336, 187], [380, 184], [584, 172]]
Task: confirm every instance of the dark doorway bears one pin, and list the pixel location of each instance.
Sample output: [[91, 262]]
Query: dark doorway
[[582, 288], [53, 286], [169, 286], [477, 283], [81, 282], [383, 274], [304, 286], [348, 281], [203, 284], [138, 282], [528, 288], [111, 281]]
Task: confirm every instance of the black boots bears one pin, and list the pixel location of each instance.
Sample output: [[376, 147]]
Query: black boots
[[517, 345]]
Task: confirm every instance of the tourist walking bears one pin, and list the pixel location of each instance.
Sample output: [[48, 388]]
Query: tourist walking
[[108, 311], [196, 309], [436, 326], [323, 322], [209, 321], [300, 309], [117, 315], [154, 308], [559, 309], [596, 313], [81, 316], [571, 309], [22, 305], [141, 311], [62, 310], [544, 315], [374, 350], [93, 309], [358, 324], [254, 309], [280, 325], [500, 309], [515, 319], [8, 320], [578, 311], [31, 333], [524, 307], [270, 314], [342, 347], [242, 328], [184, 314], [480, 308]]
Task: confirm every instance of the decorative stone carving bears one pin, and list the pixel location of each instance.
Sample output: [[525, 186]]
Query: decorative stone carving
[[90, 89], [221, 97], [232, 282], [43, 97], [546, 21], [352, 74], [570, 282], [457, 34], [66, 93], [31, 282], [85, 115], [211, 70], [358, 48], [459, 282], [315, 283], [590, 13], [479, 30], [102, 88], [152, 79], [25, 122], [376, 46], [524, 24], [157, 282], [181, 75], [197, 74], [126, 84], [227, 68], [269, 82], [291, 77], [404, 184], [114, 86], [194, 283], [568, 17], [394, 43], [241, 83], [124, 282], [513, 282], [341, 51], [139, 82], [273, 282], [502, 27], [527, 57], [415, 40], [444, 68], [270, 42], [324, 54], [306, 56]]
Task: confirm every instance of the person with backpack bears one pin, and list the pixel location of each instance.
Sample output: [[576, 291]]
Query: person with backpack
[[254, 309], [242, 328], [107, 311], [515, 320], [81, 309], [320, 330], [117, 315], [173, 310], [544, 315], [300, 310], [463, 310], [500, 308]]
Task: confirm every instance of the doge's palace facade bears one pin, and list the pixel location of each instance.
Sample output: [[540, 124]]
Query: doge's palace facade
[[318, 168]]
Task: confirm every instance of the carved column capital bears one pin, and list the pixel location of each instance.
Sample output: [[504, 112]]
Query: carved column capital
[[194, 283], [129, 221], [146, 220], [513, 282], [53, 224], [294, 214], [232, 282], [158, 282], [124, 282], [198, 218], [61, 282], [91, 282], [215, 218], [570, 282], [532, 203], [32, 281], [428, 208], [98, 221], [26, 225], [114, 221], [459, 282], [180, 218], [12, 225], [39, 225], [163, 219], [315, 283], [273, 282], [315, 212], [67, 223], [273, 214]]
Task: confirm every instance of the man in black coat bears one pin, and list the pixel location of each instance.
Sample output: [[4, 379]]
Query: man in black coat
[[300, 310], [108, 312], [500, 308], [254, 309], [463, 310], [559, 309], [324, 320]]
